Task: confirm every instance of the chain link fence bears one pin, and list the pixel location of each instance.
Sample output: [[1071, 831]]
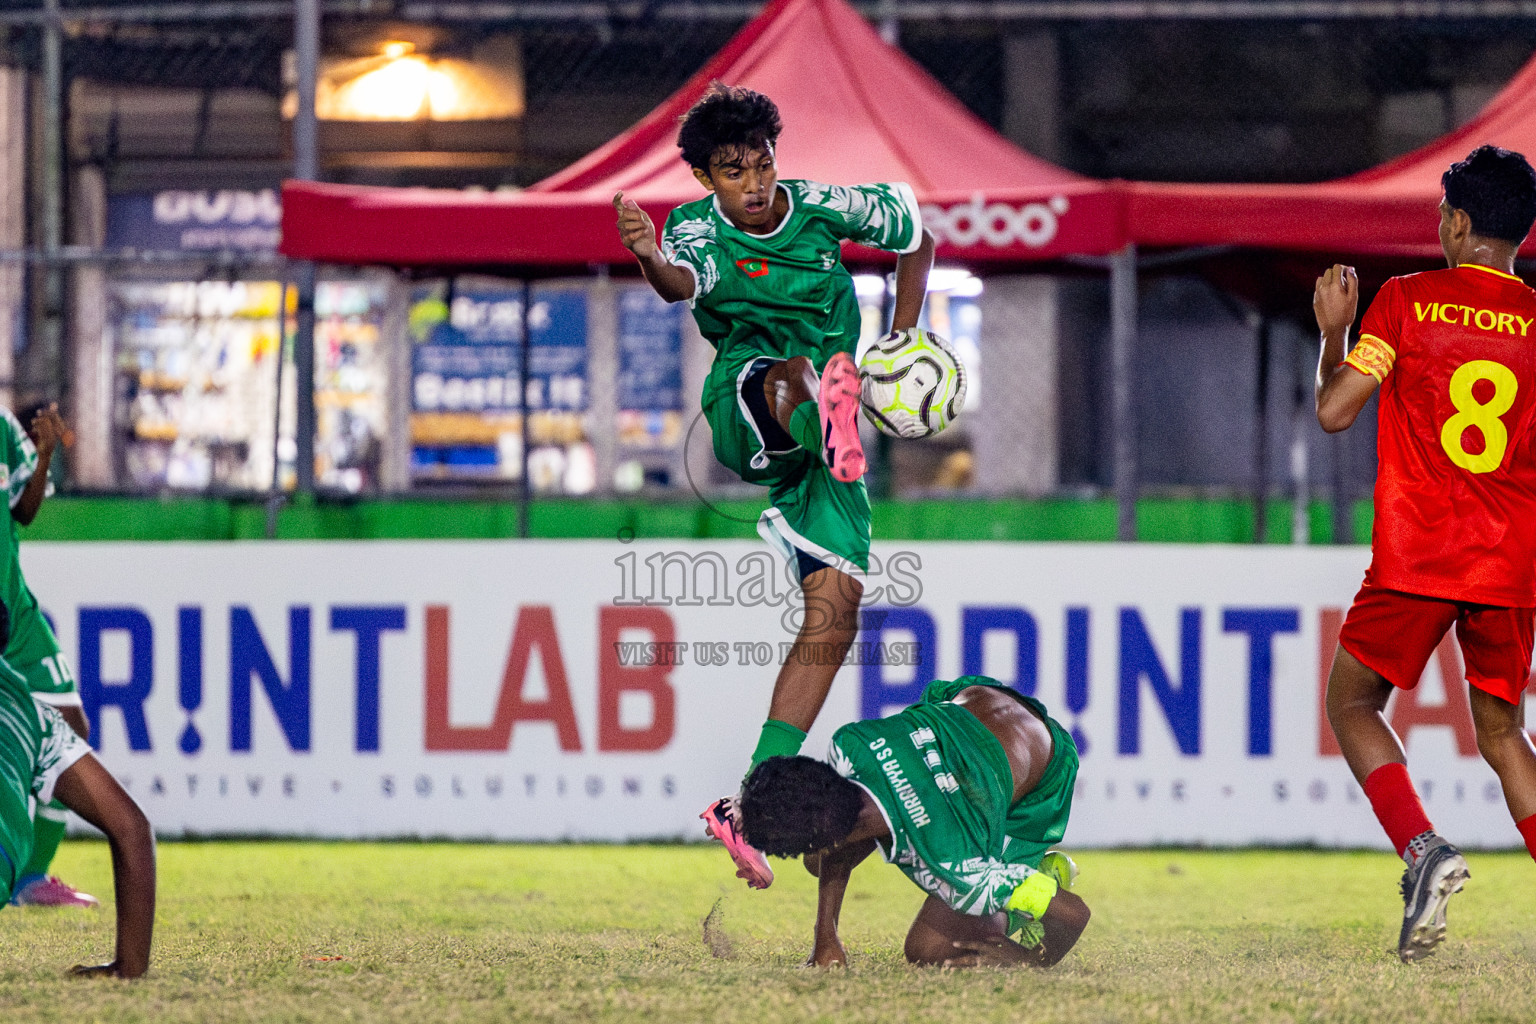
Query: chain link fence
[[190, 100]]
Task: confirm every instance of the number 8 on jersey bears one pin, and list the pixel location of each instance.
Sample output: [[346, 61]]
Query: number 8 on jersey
[[1482, 416]]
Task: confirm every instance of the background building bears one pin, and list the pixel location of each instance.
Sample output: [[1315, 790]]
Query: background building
[[148, 143]]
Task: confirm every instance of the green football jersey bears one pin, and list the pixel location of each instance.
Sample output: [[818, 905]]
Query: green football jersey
[[786, 293], [943, 783], [18, 461], [32, 650]]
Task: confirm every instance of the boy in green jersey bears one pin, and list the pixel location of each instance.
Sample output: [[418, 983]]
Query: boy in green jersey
[[759, 262], [33, 651], [965, 791], [43, 759]]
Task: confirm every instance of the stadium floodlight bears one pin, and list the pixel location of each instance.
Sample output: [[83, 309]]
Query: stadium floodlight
[[399, 83]]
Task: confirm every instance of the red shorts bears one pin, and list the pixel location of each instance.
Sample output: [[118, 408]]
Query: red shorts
[[1394, 633]]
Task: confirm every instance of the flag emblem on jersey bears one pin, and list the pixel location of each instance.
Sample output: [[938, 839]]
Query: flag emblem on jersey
[[753, 268]]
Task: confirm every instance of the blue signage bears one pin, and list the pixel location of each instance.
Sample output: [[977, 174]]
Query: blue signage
[[195, 221], [469, 348], [650, 352]]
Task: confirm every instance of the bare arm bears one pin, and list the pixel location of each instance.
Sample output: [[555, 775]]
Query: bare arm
[[47, 431], [672, 282], [88, 789], [1341, 391], [833, 869], [1064, 921], [912, 284]]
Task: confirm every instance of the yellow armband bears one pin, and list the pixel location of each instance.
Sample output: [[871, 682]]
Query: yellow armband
[[1372, 357]]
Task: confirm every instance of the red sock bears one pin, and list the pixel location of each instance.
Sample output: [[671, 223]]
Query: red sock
[[1396, 804], [1528, 830]]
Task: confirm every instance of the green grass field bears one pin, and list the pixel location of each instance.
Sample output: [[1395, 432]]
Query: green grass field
[[440, 933]]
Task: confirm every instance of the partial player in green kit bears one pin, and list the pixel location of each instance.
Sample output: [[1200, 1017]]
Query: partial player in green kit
[[42, 760], [759, 261], [966, 791], [33, 650]]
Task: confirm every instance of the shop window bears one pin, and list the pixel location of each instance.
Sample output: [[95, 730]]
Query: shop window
[[197, 366], [650, 390], [466, 366], [953, 311]]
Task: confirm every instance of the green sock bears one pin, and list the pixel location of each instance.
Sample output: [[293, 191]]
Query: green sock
[[805, 428], [47, 833], [778, 739]]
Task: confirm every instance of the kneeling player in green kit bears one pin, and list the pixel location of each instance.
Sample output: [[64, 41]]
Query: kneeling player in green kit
[[965, 791], [41, 757]]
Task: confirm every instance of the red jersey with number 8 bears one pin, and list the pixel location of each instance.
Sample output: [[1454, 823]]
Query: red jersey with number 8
[[1455, 351]]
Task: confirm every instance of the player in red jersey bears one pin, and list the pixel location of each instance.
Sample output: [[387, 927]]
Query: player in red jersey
[[1454, 354]]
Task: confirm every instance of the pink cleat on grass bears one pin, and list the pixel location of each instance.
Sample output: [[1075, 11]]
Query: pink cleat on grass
[[838, 401], [51, 892], [750, 862]]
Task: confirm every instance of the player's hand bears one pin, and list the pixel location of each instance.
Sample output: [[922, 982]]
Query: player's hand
[[1335, 298], [995, 952], [48, 429], [635, 228]]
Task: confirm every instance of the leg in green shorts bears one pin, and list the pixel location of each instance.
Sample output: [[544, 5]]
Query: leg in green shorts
[[811, 514], [15, 810], [36, 747], [1039, 820], [819, 524], [34, 652]]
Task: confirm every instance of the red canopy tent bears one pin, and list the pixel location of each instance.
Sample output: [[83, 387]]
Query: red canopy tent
[[1384, 218], [855, 109], [1387, 211]]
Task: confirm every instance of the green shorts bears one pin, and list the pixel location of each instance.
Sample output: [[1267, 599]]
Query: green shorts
[[36, 747], [34, 652], [810, 513], [1039, 820]]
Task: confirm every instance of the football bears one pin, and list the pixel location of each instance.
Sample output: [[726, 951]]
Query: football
[[912, 384]]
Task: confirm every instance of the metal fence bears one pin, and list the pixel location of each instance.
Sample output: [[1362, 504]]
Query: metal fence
[[102, 101]]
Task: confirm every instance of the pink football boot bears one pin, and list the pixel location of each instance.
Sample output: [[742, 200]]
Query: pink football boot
[[51, 892], [838, 401], [750, 863]]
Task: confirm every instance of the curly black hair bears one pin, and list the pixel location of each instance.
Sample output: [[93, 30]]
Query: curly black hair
[[1496, 188], [727, 117], [796, 805]]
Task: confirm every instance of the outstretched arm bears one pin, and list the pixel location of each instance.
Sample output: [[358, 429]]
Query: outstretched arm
[[912, 284], [47, 431], [88, 789], [1341, 391], [833, 869], [672, 282]]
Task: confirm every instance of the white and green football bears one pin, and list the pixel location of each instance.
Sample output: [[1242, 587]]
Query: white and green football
[[912, 384]]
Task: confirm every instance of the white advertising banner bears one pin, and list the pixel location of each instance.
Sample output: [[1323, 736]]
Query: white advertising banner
[[604, 690]]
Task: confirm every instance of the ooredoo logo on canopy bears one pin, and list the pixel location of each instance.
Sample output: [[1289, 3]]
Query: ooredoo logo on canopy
[[999, 225]]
